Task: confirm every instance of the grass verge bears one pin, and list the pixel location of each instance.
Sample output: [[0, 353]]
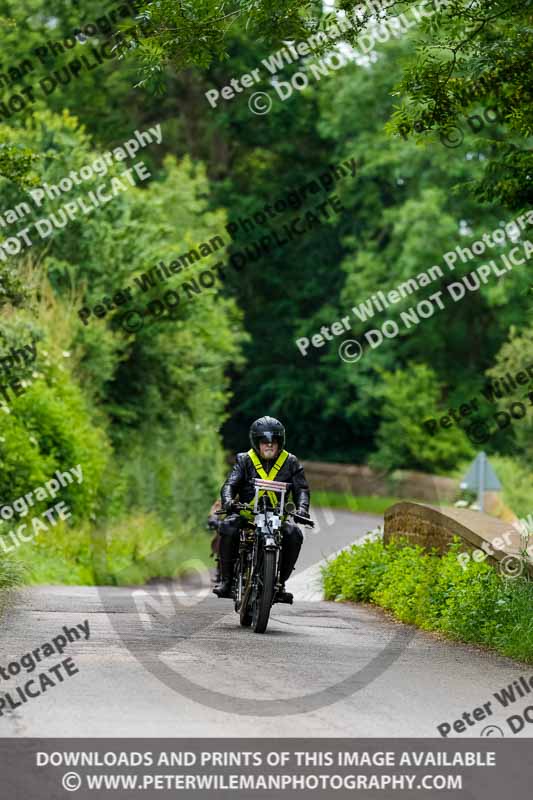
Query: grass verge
[[474, 605], [370, 504], [12, 574], [130, 551]]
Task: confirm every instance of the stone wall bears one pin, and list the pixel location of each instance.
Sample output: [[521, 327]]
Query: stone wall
[[361, 480], [435, 527]]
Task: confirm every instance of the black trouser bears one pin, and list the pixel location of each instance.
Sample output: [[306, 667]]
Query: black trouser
[[290, 546]]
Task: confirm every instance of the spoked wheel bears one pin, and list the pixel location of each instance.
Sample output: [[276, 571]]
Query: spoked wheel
[[264, 592]]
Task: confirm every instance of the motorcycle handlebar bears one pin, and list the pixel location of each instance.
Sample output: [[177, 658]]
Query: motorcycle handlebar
[[233, 507], [243, 507]]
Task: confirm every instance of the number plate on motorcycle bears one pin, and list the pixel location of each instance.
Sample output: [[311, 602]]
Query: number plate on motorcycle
[[272, 485]]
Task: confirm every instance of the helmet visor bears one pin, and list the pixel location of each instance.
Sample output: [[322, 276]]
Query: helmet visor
[[268, 437]]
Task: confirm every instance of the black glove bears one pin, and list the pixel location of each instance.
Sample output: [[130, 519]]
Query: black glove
[[213, 523]]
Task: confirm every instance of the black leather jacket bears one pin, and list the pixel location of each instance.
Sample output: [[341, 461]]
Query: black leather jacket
[[241, 480]]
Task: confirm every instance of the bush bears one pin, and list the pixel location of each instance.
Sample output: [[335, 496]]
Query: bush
[[409, 397], [474, 605], [356, 572], [49, 428]]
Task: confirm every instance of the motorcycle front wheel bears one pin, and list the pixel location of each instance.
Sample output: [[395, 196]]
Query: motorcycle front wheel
[[264, 593]]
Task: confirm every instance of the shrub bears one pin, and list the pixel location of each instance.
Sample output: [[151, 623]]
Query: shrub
[[474, 605], [49, 428], [410, 396], [356, 572]]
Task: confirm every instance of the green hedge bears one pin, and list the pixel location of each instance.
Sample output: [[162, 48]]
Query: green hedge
[[474, 605]]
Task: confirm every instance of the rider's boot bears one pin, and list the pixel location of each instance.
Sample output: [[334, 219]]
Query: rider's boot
[[216, 576], [289, 557], [283, 596], [223, 589]]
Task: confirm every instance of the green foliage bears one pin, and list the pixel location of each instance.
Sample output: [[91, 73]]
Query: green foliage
[[49, 428], [514, 356], [409, 397], [12, 291], [405, 584], [454, 47], [355, 573], [97, 395], [142, 547], [516, 480], [61, 555], [373, 504], [156, 400], [465, 57], [472, 605], [196, 33], [129, 552], [12, 575], [16, 163]]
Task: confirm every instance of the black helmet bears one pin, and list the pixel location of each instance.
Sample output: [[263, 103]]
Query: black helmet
[[269, 429]]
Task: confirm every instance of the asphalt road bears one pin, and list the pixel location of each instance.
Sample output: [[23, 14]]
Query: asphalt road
[[173, 661]]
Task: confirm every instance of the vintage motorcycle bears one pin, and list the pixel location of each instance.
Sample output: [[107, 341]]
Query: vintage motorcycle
[[256, 581]]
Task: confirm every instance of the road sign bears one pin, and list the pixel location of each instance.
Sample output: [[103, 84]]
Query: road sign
[[482, 477]]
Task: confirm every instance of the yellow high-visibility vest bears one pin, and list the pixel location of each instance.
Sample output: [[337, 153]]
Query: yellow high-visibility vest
[[272, 474]]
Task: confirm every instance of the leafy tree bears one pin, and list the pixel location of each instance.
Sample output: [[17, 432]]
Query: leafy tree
[[175, 382], [463, 55], [164, 385], [515, 355], [471, 55], [197, 34], [409, 397]]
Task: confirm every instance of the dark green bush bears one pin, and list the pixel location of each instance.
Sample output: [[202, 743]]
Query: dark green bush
[[49, 428]]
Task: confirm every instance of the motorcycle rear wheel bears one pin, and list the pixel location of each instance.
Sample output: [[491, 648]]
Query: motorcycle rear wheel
[[265, 592]]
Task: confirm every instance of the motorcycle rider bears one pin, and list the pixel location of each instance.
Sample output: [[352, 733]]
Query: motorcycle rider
[[266, 459]]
